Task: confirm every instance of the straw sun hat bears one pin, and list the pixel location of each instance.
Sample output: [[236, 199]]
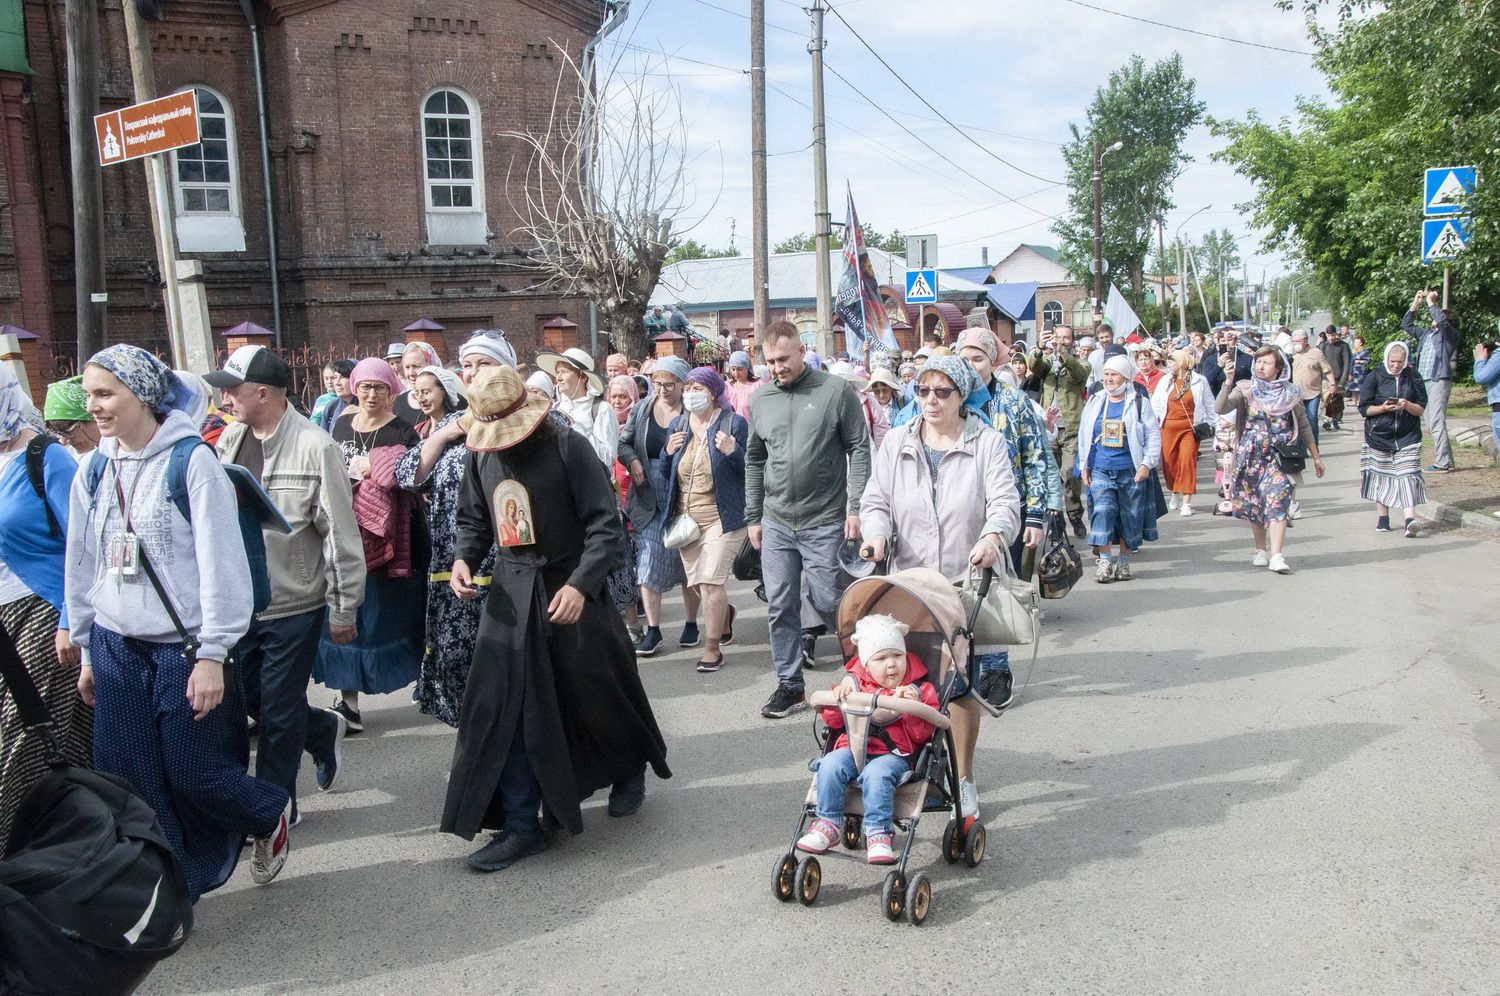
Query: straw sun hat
[[501, 411], [578, 360]]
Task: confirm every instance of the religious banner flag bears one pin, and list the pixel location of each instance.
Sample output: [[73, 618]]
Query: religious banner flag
[[858, 301]]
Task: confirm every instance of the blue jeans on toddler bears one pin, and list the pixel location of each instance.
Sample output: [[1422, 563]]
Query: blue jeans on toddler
[[877, 786]]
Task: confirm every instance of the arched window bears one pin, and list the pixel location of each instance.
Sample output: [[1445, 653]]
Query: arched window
[[1052, 314], [453, 168], [1083, 314], [205, 178]]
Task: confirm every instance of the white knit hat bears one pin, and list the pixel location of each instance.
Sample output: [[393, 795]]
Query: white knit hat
[[872, 634]]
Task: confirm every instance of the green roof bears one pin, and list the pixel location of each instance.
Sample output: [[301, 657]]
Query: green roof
[[1047, 251], [13, 38]]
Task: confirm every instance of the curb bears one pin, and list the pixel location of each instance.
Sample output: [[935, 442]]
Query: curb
[[1452, 516]]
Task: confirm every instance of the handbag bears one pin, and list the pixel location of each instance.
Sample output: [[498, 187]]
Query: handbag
[[681, 531], [1009, 613], [1203, 431], [1059, 567], [1291, 458]]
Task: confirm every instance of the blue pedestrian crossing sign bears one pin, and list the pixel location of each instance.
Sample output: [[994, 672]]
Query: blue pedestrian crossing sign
[[1447, 189], [921, 287], [1443, 238]]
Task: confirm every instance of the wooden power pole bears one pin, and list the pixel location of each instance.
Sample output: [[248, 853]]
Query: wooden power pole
[[89, 296]]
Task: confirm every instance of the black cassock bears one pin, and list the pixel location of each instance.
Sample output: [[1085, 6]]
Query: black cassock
[[575, 690]]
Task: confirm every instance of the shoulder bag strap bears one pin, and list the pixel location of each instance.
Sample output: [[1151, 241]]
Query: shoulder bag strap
[[31, 708], [190, 643]]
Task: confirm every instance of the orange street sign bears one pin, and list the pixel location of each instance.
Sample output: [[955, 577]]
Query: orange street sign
[[158, 125]]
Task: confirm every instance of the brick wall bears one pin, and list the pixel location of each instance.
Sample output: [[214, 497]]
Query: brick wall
[[345, 81]]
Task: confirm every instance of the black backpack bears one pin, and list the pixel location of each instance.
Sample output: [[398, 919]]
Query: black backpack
[[91, 895], [36, 472]]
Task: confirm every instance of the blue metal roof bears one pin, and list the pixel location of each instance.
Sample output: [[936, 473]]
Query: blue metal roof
[[1016, 300]]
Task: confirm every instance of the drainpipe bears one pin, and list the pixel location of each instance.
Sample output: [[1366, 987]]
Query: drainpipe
[[617, 14], [265, 167]]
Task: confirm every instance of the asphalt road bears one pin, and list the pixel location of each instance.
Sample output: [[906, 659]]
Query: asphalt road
[[1219, 780]]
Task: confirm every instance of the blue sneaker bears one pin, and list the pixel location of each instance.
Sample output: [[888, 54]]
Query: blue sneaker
[[690, 636], [650, 640], [326, 770]]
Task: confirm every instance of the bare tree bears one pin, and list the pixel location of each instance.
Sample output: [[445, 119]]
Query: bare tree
[[606, 194]]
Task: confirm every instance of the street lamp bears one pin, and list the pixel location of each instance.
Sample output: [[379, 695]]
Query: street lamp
[[1099, 155], [1181, 268]]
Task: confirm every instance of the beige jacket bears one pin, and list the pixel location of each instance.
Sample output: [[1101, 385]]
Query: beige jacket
[[1310, 372], [322, 561]]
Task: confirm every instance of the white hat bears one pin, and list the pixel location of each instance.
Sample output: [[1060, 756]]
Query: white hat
[[577, 359], [1120, 365], [872, 634], [395, 351], [543, 383]]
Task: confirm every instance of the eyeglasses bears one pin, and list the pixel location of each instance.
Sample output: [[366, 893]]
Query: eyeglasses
[[62, 429], [664, 385], [943, 393]]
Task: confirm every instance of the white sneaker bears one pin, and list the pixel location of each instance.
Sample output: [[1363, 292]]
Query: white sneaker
[[1171, 503], [968, 799], [1279, 565], [1260, 559], [268, 854], [1186, 508], [1296, 512]]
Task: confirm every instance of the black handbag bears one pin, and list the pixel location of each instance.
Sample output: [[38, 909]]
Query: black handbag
[[1203, 431], [91, 894], [746, 566], [1291, 458], [1059, 567]]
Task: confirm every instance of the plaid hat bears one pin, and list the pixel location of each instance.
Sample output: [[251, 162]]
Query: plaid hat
[[253, 365]]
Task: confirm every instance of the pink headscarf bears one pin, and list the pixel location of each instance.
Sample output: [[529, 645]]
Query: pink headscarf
[[627, 384], [428, 353], [371, 368]]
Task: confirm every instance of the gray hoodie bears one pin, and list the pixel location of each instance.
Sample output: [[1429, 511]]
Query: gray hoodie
[[202, 566]]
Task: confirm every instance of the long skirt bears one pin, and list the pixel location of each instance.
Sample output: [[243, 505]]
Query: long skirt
[[388, 652], [32, 624], [191, 772], [1179, 451], [452, 625], [1392, 479], [1260, 490], [656, 567]]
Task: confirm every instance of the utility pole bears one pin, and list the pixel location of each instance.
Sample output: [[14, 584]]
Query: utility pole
[[1182, 289], [1246, 294], [822, 222], [1161, 256], [759, 236], [89, 293], [143, 75], [1098, 235]]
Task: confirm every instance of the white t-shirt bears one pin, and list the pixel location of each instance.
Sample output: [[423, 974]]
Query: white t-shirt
[[12, 588]]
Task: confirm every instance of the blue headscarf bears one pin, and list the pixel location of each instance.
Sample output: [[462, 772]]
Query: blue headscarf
[[146, 377], [674, 365]]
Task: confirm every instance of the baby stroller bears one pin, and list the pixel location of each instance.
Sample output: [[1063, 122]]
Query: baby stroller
[[927, 602]]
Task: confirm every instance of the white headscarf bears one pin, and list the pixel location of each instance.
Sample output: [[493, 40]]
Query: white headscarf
[[16, 412], [491, 343], [453, 388]]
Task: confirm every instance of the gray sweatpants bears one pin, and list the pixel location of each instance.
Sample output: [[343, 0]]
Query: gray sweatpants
[[1436, 417], [786, 557]]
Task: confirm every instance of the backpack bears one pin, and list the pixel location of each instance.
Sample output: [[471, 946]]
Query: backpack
[[36, 472], [250, 529], [91, 894]]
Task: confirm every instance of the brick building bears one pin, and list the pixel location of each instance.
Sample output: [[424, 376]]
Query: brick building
[[387, 158]]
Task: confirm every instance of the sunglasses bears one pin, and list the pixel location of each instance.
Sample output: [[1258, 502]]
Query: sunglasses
[[943, 393]]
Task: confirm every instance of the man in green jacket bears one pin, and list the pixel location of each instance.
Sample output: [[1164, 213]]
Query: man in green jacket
[[806, 465], [1064, 378]]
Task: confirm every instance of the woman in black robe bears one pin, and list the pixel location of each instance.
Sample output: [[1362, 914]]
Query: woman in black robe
[[554, 709]]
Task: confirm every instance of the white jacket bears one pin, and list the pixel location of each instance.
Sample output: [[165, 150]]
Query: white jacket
[[1203, 400], [594, 419]]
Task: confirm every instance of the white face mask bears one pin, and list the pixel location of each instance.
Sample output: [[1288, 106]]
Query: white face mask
[[695, 401]]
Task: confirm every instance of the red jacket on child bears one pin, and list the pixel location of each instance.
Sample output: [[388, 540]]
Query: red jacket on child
[[906, 734]]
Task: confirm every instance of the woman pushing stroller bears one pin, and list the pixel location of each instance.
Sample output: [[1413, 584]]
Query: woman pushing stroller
[[883, 666]]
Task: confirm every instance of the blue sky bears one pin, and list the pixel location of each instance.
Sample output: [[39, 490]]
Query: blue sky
[[1012, 74]]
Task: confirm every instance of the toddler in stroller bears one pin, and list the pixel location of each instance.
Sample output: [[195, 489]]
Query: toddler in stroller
[[891, 744]]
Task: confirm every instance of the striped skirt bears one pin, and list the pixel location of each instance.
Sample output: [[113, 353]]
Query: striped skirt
[[32, 624], [1392, 479]]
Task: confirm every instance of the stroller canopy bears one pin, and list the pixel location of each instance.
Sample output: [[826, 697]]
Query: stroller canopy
[[921, 597]]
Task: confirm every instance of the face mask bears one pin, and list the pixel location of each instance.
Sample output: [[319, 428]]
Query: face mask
[[695, 401]]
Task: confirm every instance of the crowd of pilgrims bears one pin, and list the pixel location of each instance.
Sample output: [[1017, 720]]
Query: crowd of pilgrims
[[500, 536]]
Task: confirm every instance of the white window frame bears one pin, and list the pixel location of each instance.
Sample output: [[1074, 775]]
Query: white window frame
[[448, 225], [211, 231], [1052, 305]]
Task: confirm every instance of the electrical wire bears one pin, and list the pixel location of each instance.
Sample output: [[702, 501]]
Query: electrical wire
[[1191, 31], [928, 104], [746, 17]]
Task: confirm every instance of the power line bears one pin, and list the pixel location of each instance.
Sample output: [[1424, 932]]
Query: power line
[[928, 104], [927, 117], [746, 17], [1190, 31]]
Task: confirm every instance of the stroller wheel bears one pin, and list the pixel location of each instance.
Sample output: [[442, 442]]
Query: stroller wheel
[[809, 880], [783, 884], [918, 899], [974, 846], [953, 842], [854, 837], [893, 896]]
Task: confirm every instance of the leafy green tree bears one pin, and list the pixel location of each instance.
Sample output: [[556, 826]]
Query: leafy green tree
[[1150, 110], [1415, 84], [693, 249], [803, 242]]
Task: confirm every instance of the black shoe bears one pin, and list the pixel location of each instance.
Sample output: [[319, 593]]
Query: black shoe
[[708, 665], [506, 848], [350, 714], [760, 591], [690, 636], [727, 637], [809, 648], [1078, 530], [1383, 524], [326, 770], [649, 641], [998, 688], [783, 703], [625, 798], [1411, 529]]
